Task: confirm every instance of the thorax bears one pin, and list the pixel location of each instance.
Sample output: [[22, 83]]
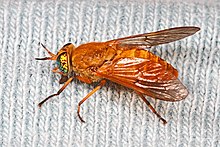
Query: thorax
[[87, 58]]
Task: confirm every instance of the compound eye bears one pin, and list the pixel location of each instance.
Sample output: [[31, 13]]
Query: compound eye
[[62, 62]]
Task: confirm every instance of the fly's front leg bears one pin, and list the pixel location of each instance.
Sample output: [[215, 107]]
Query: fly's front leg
[[61, 89], [88, 95]]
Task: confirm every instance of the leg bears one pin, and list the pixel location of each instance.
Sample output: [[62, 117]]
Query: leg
[[84, 79], [88, 95], [151, 107], [61, 89]]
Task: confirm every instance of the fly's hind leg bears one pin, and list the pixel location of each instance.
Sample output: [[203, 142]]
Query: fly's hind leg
[[88, 95], [151, 107]]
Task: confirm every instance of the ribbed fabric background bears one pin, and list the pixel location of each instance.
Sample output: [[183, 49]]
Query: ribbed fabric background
[[115, 115]]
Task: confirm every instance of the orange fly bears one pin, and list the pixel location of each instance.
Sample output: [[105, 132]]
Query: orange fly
[[125, 61]]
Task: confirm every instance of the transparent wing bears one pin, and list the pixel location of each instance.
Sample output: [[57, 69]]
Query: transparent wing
[[159, 37], [146, 77]]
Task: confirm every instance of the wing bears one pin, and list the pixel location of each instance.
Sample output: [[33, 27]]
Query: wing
[[145, 76], [157, 38]]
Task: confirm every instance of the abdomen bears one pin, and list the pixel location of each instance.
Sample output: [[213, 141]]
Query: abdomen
[[145, 54]]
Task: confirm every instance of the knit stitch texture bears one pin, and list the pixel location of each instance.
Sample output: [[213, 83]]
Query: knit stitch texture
[[115, 115]]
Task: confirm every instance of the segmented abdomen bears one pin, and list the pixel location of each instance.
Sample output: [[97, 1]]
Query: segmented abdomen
[[145, 54]]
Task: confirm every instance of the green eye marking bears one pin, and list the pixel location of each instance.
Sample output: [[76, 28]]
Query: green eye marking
[[62, 62]]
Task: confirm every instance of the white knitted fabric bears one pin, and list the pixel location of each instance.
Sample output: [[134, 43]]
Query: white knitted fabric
[[115, 115]]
